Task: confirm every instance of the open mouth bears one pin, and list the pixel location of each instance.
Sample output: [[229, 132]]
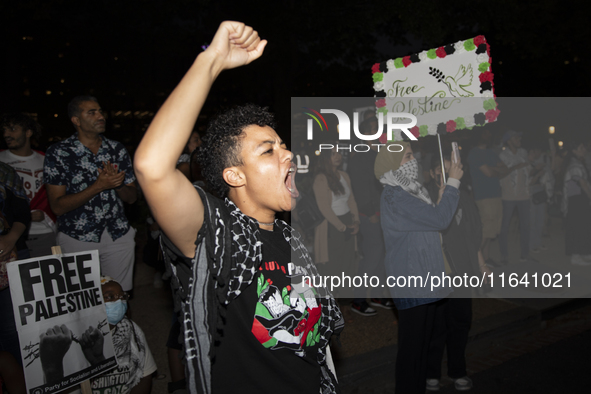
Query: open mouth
[[290, 181]]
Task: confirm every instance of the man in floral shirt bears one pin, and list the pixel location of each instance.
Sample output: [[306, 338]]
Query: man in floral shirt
[[88, 177]]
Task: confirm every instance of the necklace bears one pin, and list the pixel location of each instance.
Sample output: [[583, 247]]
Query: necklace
[[264, 224]]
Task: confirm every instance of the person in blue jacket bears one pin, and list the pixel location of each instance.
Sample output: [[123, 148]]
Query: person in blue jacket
[[411, 222]]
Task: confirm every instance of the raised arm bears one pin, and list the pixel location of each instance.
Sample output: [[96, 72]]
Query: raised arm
[[173, 200]]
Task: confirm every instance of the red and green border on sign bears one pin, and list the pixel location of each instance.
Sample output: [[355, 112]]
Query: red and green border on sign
[[486, 77]]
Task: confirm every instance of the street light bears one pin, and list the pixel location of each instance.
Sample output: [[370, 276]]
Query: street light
[[551, 129], [560, 143]]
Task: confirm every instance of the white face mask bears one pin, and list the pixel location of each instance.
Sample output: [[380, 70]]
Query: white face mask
[[410, 169]]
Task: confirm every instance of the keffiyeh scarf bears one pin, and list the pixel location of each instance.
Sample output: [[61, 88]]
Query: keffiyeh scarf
[[130, 349], [228, 255], [406, 177]]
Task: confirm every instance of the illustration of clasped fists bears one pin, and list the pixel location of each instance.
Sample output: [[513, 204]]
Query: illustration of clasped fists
[[55, 343], [92, 342], [53, 346]]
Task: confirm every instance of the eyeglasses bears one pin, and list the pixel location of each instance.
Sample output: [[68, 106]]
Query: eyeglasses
[[115, 297]]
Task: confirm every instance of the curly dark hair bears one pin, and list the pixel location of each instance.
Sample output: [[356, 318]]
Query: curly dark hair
[[222, 143], [25, 121]]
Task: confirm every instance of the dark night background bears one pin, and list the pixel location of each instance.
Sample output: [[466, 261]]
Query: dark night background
[[130, 54]]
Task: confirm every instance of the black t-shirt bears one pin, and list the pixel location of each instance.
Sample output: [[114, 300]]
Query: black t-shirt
[[270, 340]]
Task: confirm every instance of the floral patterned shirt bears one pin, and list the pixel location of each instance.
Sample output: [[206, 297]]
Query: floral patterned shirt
[[72, 164]]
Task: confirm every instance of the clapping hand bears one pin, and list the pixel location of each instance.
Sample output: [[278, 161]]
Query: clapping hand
[[109, 177]]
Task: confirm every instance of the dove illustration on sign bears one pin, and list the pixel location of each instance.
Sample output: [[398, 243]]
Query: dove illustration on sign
[[456, 85]]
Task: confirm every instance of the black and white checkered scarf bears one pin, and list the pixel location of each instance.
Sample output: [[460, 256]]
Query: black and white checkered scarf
[[228, 255], [130, 349], [406, 177]]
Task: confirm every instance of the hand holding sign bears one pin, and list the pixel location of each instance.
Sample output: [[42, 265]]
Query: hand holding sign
[[455, 171], [53, 346]]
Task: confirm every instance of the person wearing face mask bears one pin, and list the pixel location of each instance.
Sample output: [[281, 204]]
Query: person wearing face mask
[[411, 222], [135, 361]]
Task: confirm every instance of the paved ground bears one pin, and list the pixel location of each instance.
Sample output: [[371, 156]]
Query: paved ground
[[511, 342], [554, 358], [546, 364]]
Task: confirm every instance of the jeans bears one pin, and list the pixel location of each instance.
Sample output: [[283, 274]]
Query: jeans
[[523, 212]]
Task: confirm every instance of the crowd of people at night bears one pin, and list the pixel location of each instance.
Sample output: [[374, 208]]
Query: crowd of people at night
[[216, 202]]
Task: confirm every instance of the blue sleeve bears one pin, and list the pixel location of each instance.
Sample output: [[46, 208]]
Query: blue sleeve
[[411, 214]]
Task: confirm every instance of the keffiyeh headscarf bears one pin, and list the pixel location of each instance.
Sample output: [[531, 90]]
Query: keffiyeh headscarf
[[389, 157], [388, 170], [406, 177]]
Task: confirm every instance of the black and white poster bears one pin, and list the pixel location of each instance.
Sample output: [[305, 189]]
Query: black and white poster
[[61, 320]]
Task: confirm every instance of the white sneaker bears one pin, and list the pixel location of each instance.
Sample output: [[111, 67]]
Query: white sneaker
[[463, 384], [433, 384], [576, 259]]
